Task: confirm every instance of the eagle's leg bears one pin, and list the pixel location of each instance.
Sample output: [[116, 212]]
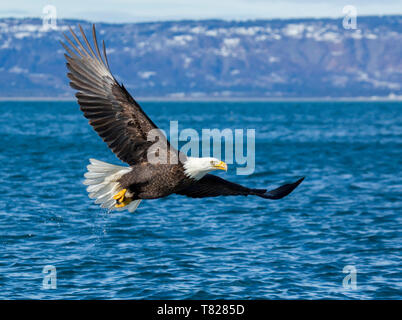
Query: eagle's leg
[[122, 198]]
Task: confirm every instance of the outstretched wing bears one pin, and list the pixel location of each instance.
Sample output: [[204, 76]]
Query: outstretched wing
[[214, 186], [110, 109]]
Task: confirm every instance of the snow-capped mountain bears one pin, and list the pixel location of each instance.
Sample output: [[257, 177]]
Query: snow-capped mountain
[[214, 58]]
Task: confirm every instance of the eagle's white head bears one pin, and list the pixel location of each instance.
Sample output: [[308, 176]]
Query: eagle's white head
[[196, 168]]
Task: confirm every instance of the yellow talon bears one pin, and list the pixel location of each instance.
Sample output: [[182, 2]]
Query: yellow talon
[[121, 199], [120, 196], [123, 203]]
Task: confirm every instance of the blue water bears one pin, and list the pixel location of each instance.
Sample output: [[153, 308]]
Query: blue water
[[346, 212]]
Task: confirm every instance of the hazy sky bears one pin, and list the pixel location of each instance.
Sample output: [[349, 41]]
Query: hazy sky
[[151, 10]]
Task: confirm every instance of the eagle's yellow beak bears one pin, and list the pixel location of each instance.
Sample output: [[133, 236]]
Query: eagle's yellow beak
[[221, 166]]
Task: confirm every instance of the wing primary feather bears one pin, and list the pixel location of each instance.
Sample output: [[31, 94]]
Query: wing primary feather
[[97, 115], [78, 75], [98, 103], [102, 122], [86, 41], [96, 44], [107, 126], [101, 63], [79, 42], [76, 68], [83, 86], [69, 51], [282, 191], [95, 106], [88, 95], [104, 53], [86, 98], [73, 45]]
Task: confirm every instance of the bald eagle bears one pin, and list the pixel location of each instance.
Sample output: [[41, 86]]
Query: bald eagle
[[123, 125]]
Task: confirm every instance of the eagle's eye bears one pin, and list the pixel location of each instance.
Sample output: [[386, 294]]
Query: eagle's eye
[[212, 163]]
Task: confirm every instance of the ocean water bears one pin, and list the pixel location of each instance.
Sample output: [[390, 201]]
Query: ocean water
[[347, 212]]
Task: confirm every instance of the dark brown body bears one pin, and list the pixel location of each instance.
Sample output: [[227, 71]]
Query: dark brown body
[[151, 181]]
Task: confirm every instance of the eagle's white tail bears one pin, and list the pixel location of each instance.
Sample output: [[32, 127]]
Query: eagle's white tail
[[102, 181]]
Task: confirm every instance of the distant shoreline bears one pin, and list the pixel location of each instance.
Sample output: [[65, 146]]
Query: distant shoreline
[[221, 99]]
